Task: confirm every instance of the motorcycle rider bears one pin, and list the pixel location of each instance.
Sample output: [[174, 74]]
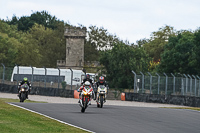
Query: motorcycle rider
[[24, 81], [101, 81], [84, 80], [81, 88], [87, 79]]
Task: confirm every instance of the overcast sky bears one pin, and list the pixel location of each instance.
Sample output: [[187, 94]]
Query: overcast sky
[[130, 20]]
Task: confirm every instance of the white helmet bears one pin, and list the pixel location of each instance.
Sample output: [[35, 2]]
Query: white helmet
[[87, 83]]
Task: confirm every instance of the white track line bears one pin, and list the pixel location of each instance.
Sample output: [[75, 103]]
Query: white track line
[[51, 118]]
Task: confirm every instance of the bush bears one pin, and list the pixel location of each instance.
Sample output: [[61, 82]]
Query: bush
[[64, 84]]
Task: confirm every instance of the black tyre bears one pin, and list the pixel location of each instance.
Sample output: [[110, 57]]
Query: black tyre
[[23, 97], [82, 109], [85, 103], [101, 101]]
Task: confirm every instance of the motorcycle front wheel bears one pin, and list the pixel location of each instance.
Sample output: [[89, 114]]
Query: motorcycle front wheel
[[22, 97], [98, 105], [86, 103], [82, 109], [101, 101]]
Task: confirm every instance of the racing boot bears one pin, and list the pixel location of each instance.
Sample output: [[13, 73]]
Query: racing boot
[[94, 97]]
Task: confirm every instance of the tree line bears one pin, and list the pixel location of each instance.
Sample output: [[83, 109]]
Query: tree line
[[38, 40]]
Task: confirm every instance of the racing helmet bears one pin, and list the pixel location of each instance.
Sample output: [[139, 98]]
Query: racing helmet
[[87, 83], [25, 79], [87, 76], [101, 79]]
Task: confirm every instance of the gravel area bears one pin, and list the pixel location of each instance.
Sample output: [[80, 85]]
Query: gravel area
[[49, 99]]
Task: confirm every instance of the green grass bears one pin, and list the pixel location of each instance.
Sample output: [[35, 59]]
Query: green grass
[[17, 120], [191, 108], [17, 100]]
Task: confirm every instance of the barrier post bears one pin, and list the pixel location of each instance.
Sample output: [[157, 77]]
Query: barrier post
[[186, 84], [45, 76], [190, 84], [71, 77], [123, 98], [199, 86], [134, 81], [3, 72], [17, 73], [58, 78], [142, 82], [150, 81], [32, 76], [174, 82], [166, 82], [158, 82]]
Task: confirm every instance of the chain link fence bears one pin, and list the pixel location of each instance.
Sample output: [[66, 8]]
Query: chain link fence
[[167, 84], [164, 84]]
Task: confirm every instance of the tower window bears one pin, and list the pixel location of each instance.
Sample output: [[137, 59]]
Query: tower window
[[68, 49]]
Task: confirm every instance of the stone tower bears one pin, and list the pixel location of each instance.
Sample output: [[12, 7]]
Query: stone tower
[[75, 37]]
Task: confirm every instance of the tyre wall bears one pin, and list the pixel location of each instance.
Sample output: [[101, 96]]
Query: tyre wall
[[39, 91], [169, 99]]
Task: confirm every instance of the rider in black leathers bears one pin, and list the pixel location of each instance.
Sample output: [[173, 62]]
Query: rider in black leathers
[[87, 79], [24, 81]]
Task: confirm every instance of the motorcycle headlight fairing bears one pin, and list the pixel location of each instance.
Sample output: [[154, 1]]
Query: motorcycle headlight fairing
[[85, 93]]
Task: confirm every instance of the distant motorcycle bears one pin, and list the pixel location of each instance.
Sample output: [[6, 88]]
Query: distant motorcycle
[[85, 96], [23, 93], [101, 95]]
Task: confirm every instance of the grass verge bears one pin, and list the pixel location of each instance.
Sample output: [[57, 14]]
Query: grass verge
[[191, 108], [17, 120], [17, 100]]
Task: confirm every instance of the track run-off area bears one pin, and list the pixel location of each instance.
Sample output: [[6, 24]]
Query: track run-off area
[[115, 116]]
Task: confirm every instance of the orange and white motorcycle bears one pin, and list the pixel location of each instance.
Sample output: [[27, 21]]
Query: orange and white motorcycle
[[85, 96]]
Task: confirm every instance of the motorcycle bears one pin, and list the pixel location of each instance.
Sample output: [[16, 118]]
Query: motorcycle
[[85, 97], [101, 95], [23, 93]]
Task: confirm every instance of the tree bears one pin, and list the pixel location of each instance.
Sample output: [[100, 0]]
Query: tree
[[10, 43], [29, 52], [178, 54], [8, 50], [98, 40], [119, 63], [195, 57], [155, 46], [47, 45], [101, 39], [24, 23], [90, 53], [141, 42]]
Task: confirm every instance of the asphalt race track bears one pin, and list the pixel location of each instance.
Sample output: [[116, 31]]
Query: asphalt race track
[[121, 119]]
